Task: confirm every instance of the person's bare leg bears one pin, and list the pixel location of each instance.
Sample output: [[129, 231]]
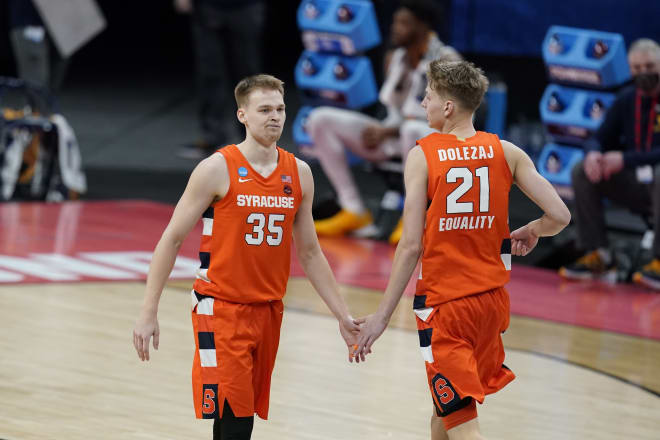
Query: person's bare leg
[[333, 131], [466, 431], [438, 428]]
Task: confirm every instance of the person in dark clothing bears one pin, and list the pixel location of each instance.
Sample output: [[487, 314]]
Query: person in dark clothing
[[623, 164], [37, 59], [227, 36]]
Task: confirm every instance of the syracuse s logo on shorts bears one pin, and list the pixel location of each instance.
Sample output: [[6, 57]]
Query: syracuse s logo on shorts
[[444, 393], [210, 401]]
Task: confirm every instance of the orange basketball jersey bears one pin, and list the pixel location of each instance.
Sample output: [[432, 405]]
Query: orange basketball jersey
[[467, 247], [245, 251]]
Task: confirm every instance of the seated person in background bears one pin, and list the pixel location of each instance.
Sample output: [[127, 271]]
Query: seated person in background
[[333, 129], [620, 166]]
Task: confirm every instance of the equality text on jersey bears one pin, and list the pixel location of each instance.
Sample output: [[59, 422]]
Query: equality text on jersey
[[467, 222]]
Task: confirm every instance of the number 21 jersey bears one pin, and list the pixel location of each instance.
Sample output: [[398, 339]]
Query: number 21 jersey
[[467, 246], [245, 251]]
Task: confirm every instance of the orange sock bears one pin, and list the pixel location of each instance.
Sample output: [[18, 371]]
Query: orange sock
[[461, 416]]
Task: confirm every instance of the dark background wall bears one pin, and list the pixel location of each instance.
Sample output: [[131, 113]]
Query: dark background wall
[[149, 36], [148, 39], [148, 43], [517, 27]]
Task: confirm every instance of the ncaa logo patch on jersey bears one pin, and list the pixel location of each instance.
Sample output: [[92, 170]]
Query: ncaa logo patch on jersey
[[242, 171], [287, 190]]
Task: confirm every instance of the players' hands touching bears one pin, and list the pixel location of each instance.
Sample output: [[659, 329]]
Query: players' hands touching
[[372, 136], [371, 327], [349, 331], [523, 240], [612, 163], [593, 166], [145, 327]]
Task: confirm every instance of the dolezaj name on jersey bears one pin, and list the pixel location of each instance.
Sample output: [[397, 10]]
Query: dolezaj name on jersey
[[466, 222], [466, 153]]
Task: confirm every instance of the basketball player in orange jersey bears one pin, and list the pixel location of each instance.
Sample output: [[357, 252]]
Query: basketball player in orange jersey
[[252, 197], [463, 177]]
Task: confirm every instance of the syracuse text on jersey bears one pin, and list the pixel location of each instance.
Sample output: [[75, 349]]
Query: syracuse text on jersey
[[471, 221], [255, 201]]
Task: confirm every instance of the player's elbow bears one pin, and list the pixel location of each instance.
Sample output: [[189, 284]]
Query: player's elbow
[[413, 248], [307, 254], [563, 216], [172, 240], [567, 218], [559, 218]]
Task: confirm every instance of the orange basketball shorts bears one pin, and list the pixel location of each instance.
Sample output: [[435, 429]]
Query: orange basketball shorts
[[236, 346], [462, 347]]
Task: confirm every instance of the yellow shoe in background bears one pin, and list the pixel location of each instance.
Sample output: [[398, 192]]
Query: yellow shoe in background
[[589, 267], [395, 236], [649, 276], [342, 223]]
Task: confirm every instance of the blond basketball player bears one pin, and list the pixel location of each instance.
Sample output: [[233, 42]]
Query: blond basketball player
[[456, 217], [253, 198]]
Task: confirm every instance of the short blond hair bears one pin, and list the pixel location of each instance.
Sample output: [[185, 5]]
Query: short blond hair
[[249, 84], [461, 80], [645, 45]]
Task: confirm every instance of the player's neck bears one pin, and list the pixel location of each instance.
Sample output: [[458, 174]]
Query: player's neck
[[461, 129], [258, 153]]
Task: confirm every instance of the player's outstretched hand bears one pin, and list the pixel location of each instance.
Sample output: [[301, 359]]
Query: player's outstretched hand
[[371, 327], [523, 241], [145, 328], [349, 331]]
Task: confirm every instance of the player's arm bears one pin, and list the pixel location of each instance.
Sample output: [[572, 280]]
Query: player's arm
[[556, 215], [208, 181], [407, 252], [313, 261]]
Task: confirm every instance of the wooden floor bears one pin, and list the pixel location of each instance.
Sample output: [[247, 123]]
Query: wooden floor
[[587, 355], [68, 370]]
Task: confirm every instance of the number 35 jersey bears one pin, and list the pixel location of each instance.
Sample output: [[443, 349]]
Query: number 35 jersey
[[245, 251], [467, 246]]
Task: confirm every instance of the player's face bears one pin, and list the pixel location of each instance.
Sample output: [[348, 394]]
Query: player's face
[[264, 115], [436, 108], [404, 26]]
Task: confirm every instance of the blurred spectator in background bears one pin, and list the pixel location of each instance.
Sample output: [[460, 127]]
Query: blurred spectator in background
[[37, 59], [333, 129], [553, 164], [227, 39], [620, 166]]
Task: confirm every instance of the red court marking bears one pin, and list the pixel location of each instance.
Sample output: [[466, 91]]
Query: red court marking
[[70, 229], [59, 238], [537, 293]]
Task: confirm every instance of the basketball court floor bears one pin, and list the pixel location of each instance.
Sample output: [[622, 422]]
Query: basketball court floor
[[586, 355]]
